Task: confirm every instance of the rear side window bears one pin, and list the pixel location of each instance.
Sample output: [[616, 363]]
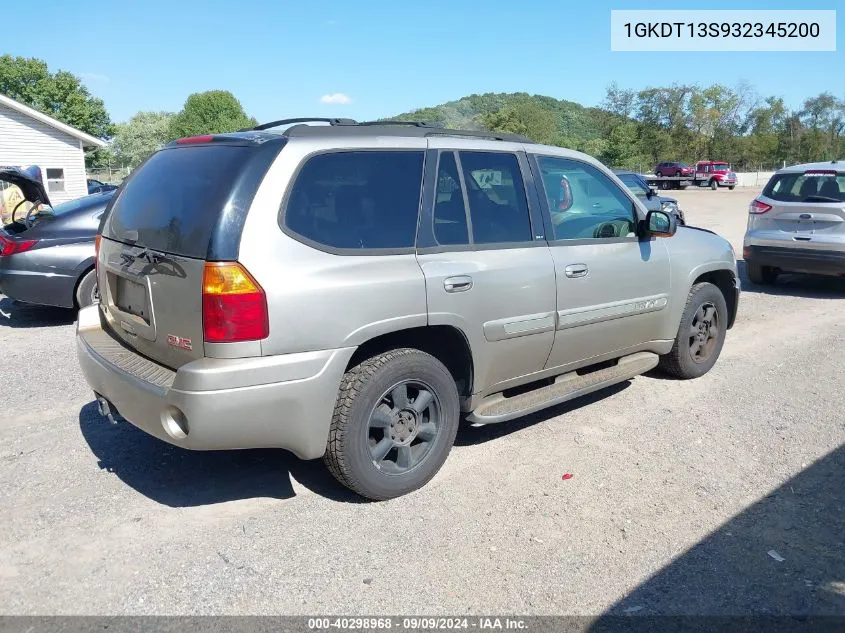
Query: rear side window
[[497, 203], [450, 219], [173, 201], [357, 199], [806, 187]]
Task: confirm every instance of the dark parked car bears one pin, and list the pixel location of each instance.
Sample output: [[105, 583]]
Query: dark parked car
[[673, 169], [47, 254], [653, 202], [96, 186]]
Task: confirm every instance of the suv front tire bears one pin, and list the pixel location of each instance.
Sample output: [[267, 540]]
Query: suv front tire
[[701, 333], [394, 423]]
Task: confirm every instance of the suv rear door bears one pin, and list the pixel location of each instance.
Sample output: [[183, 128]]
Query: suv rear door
[[488, 271], [183, 206]]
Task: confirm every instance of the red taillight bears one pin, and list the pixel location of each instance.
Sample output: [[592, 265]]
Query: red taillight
[[97, 239], [12, 247], [234, 307], [756, 207], [188, 140]]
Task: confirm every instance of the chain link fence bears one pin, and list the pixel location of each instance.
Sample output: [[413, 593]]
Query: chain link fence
[[108, 175]]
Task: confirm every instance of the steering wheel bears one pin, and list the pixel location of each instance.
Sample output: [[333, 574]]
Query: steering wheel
[[606, 229], [27, 221], [15, 210], [609, 229]]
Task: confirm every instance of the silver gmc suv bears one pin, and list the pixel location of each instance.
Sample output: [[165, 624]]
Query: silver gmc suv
[[353, 290]]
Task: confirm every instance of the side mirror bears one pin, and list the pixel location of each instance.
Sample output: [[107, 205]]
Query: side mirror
[[660, 224], [651, 193]]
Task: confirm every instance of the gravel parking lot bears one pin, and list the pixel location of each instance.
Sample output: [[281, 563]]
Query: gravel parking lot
[[680, 491]]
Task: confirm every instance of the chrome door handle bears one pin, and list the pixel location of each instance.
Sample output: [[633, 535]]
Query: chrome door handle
[[576, 270], [461, 283]]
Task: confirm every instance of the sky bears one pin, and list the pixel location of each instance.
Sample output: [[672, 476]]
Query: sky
[[371, 58]]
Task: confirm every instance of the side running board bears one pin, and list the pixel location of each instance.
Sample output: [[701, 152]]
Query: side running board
[[498, 408]]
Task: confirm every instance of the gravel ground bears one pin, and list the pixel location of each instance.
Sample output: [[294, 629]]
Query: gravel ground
[[679, 492]]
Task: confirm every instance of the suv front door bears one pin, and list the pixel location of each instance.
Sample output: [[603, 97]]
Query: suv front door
[[486, 273], [612, 288]]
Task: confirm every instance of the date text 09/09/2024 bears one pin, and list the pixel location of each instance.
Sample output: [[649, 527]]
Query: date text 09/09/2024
[[722, 29], [418, 623]]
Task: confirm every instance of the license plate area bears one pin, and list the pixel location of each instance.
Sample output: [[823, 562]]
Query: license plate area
[[131, 297]]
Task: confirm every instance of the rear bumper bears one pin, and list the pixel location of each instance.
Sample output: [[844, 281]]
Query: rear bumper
[[217, 404], [797, 260], [23, 284]]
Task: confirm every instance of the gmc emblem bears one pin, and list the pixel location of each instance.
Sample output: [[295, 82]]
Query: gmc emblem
[[179, 342]]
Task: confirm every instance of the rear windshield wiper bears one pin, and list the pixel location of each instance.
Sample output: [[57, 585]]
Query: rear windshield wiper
[[821, 199]]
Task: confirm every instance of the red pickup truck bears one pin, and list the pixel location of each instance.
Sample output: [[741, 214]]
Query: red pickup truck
[[705, 173]]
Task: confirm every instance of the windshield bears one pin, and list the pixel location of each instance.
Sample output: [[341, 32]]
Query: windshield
[[634, 184], [720, 167], [806, 187]]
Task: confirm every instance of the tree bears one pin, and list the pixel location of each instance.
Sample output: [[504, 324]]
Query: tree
[[211, 112], [526, 118], [140, 136], [622, 149], [60, 95], [824, 118]]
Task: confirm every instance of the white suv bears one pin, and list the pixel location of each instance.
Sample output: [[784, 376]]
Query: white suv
[[797, 224]]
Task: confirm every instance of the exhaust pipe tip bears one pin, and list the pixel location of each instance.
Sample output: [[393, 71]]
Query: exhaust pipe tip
[[105, 409], [175, 423]]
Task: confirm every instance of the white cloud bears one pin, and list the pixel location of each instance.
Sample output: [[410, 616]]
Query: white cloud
[[338, 98], [93, 77]]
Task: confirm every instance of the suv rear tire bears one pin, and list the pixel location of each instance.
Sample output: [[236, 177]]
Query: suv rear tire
[[760, 275], [394, 424], [701, 333]]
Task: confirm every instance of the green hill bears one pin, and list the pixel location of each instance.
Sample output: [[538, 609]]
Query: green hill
[[545, 119]]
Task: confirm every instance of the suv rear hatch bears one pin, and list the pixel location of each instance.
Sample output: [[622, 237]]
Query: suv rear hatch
[[183, 207], [809, 207]]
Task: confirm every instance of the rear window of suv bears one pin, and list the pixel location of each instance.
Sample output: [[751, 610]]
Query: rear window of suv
[[806, 187], [357, 200], [174, 200]]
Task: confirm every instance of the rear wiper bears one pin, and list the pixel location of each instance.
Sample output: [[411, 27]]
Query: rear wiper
[[821, 199]]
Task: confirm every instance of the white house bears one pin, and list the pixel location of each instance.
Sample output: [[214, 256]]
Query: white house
[[31, 138]]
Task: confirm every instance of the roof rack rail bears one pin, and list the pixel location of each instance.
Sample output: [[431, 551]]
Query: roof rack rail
[[496, 136], [408, 123], [272, 124]]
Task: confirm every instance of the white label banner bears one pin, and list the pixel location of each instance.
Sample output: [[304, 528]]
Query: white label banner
[[722, 30]]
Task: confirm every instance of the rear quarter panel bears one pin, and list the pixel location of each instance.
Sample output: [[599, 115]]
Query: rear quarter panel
[[320, 300]]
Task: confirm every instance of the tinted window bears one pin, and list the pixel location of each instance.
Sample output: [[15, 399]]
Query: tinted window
[[584, 203], [496, 193], [358, 199], [799, 187], [450, 219], [173, 201]]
